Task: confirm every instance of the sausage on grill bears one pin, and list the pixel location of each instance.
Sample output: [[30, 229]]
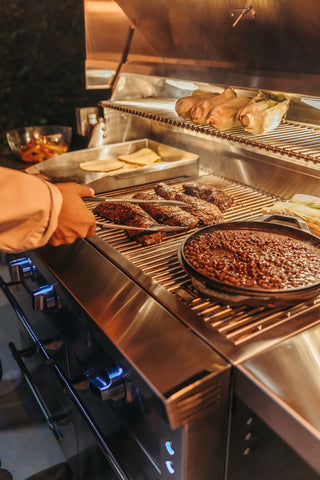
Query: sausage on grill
[[209, 193], [206, 212], [166, 213], [132, 215]]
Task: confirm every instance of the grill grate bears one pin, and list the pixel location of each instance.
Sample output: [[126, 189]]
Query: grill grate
[[160, 262], [298, 141]]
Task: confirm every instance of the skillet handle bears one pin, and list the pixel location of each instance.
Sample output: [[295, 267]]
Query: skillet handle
[[294, 221], [234, 300]]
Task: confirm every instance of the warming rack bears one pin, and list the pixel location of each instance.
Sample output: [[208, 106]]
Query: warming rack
[[299, 142], [237, 326]]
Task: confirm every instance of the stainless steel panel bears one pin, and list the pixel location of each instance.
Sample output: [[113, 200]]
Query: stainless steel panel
[[264, 44], [282, 386], [144, 332], [256, 451], [266, 35], [187, 376]]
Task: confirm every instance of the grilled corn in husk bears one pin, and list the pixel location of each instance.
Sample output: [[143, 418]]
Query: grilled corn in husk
[[310, 214], [264, 113], [307, 200]]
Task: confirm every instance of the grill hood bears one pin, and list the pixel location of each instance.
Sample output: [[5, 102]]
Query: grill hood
[[263, 44]]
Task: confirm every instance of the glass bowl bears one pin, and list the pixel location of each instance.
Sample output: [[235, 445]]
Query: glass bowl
[[36, 144]]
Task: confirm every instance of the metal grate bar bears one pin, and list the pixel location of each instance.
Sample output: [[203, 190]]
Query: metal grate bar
[[160, 262], [305, 145]]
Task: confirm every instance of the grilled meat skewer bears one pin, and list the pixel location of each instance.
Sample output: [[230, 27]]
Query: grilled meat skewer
[[166, 214], [206, 212], [209, 193]]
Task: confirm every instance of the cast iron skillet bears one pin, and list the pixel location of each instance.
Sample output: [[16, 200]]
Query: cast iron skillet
[[234, 295]]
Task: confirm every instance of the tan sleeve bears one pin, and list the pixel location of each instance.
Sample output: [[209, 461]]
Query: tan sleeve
[[29, 210]]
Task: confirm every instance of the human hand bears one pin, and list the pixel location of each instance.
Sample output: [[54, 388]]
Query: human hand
[[75, 219]]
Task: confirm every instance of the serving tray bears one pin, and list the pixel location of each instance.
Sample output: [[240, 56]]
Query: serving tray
[[175, 162]]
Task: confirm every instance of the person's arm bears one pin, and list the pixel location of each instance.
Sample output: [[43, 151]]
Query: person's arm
[[33, 212]]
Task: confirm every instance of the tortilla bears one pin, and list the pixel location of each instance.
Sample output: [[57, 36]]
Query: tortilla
[[101, 165], [142, 157]]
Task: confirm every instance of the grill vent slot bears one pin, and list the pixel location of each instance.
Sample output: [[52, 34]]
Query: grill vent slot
[[183, 410]]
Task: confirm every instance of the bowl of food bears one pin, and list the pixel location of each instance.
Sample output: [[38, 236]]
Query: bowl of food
[[35, 144]]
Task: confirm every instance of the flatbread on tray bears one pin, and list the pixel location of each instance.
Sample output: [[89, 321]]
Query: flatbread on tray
[[101, 165], [142, 157]]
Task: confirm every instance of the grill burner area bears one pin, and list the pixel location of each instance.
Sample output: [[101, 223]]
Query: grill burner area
[[237, 327]]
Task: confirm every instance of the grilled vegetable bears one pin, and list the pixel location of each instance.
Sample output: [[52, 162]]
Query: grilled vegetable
[[307, 200], [200, 111], [38, 150], [184, 105], [264, 113], [226, 115], [310, 215]]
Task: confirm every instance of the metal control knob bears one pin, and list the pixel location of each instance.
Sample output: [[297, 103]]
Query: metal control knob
[[109, 385], [44, 298], [21, 268]]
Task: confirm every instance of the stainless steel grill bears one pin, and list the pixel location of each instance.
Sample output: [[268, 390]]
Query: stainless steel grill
[[217, 44], [209, 390], [236, 326]]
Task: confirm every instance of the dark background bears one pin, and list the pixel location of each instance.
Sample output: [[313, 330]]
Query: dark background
[[42, 69]]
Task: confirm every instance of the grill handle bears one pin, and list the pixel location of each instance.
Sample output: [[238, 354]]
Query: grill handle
[[27, 376], [91, 424], [65, 384], [284, 219], [123, 57]]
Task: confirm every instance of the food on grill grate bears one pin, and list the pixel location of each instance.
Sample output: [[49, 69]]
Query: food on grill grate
[[131, 215], [254, 259], [209, 193], [308, 214], [226, 115], [307, 200], [165, 213], [200, 111], [257, 115], [264, 113], [184, 104], [207, 213]]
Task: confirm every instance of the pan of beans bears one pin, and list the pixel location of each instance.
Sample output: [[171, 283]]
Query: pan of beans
[[273, 260]]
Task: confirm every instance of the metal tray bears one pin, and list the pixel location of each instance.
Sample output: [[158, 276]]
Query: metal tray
[[175, 163]]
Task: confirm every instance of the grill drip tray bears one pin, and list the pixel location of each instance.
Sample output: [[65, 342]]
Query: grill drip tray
[[235, 331]]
